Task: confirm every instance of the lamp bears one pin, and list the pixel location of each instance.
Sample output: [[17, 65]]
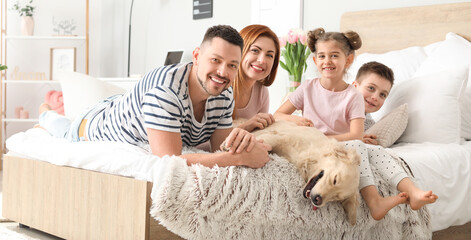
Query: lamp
[[129, 41]]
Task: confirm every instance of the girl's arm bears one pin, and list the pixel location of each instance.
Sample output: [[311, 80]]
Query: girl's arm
[[284, 113], [356, 131]]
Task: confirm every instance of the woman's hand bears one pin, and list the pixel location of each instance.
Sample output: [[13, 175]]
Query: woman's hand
[[260, 121]]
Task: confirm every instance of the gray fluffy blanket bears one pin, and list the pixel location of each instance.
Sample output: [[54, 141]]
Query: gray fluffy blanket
[[197, 202]]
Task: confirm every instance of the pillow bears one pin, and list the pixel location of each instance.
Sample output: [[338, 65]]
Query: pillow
[[390, 127], [433, 106], [454, 51], [81, 91], [403, 62]]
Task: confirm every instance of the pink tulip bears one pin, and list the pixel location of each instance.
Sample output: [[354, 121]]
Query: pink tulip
[[282, 41], [303, 39], [293, 38]]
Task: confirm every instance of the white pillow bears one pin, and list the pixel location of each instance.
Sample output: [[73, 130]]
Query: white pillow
[[454, 51], [390, 127], [433, 106], [403, 62], [81, 91]]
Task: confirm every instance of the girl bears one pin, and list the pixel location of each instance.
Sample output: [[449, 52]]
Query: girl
[[337, 109], [257, 71]]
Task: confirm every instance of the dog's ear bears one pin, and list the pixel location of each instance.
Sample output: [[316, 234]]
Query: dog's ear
[[350, 205], [353, 156]]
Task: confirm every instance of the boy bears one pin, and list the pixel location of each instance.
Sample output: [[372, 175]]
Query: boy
[[374, 80]]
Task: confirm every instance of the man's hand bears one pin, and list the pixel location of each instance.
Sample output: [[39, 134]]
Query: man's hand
[[370, 139], [239, 140], [258, 157]]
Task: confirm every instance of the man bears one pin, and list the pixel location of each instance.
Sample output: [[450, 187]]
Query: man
[[179, 105]]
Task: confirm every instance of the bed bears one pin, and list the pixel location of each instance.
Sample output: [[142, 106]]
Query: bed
[[78, 193]]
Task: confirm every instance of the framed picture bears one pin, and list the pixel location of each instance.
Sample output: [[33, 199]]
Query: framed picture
[[62, 59]]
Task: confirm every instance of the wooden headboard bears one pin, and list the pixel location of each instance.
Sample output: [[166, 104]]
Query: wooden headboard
[[392, 29]]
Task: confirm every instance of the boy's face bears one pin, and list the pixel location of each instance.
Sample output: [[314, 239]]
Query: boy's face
[[374, 89]]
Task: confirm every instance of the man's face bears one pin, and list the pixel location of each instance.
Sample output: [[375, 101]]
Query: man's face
[[217, 62]]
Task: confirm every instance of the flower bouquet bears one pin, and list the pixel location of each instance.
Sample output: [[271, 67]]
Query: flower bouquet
[[295, 53]]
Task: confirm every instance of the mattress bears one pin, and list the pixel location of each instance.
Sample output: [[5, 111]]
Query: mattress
[[443, 168]]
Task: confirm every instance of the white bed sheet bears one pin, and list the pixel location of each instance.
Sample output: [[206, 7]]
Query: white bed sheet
[[443, 168]]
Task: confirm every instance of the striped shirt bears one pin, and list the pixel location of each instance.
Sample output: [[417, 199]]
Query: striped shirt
[[160, 100]]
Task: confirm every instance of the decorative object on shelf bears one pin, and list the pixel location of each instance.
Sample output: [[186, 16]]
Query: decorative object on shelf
[[64, 27], [27, 21], [295, 53], [17, 75], [24, 114], [55, 100], [62, 59], [2, 67], [18, 111]]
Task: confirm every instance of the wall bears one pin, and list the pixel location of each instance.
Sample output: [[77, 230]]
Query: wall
[[170, 26]]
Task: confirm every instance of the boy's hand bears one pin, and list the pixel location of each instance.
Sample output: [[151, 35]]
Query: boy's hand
[[370, 139]]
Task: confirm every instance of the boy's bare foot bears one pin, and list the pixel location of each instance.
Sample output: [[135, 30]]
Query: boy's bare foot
[[380, 206], [418, 199], [44, 107]]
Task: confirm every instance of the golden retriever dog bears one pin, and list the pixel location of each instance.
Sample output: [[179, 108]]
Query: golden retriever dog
[[329, 169]]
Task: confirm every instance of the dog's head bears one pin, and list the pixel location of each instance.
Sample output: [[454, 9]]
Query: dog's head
[[334, 178]]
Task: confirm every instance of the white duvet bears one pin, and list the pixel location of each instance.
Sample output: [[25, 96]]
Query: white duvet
[[443, 168]]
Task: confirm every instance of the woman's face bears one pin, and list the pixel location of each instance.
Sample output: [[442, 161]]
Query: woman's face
[[258, 61]]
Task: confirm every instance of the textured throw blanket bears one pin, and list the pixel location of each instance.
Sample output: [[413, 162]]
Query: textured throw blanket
[[197, 202]]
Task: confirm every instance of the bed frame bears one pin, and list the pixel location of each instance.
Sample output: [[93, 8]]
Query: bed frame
[[73, 203], [393, 29]]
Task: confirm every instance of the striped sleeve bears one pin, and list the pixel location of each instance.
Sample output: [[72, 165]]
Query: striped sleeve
[[162, 110]]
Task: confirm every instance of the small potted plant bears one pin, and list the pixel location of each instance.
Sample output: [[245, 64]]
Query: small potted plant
[[26, 12]]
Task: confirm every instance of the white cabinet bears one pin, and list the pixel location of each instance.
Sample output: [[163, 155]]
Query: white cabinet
[[32, 59]]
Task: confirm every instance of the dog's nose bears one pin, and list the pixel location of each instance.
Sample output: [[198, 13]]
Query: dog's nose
[[316, 199]]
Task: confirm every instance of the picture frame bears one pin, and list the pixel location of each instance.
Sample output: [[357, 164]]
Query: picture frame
[[62, 59]]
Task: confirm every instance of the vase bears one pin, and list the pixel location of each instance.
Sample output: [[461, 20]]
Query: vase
[[27, 25], [293, 83]]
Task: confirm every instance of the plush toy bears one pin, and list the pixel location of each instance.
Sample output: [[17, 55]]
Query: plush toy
[[55, 100]]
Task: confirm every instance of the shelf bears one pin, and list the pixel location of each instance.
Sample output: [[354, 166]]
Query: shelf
[[25, 120], [124, 79], [31, 81], [45, 37]]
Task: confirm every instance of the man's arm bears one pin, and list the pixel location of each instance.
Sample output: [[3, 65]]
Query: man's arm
[[169, 143]]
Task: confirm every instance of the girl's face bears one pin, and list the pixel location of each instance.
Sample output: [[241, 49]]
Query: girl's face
[[331, 60], [375, 89], [258, 61]]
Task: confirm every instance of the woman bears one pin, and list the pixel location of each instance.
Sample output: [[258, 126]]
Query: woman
[[257, 71]]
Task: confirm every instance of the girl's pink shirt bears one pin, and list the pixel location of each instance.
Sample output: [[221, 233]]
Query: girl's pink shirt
[[258, 103], [331, 112]]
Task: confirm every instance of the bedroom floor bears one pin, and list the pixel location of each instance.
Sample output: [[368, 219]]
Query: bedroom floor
[[12, 231]]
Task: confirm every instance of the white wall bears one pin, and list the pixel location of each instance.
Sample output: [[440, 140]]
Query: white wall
[[170, 26]]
